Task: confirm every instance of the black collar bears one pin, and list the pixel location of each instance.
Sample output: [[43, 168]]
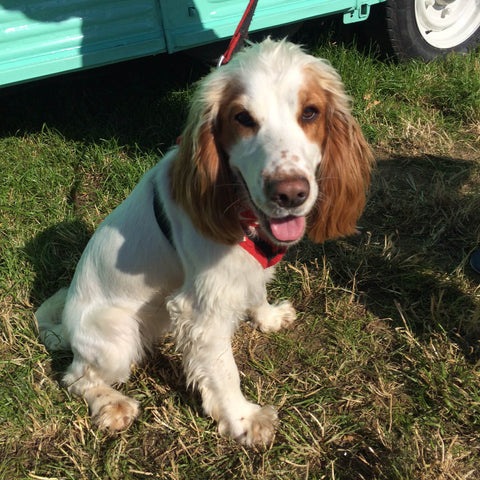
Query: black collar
[[161, 217]]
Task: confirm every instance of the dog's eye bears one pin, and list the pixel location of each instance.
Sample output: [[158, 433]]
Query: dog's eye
[[245, 119], [309, 114]]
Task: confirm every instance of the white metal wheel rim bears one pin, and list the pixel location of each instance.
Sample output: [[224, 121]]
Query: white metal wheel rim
[[447, 23]]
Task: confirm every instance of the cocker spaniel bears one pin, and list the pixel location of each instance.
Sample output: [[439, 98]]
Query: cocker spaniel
[[270, 151]]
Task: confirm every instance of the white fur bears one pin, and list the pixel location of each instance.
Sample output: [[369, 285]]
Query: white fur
[[115, 309], [131, 285]]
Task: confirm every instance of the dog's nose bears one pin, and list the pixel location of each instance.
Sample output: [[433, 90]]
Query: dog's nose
[[288, 192]]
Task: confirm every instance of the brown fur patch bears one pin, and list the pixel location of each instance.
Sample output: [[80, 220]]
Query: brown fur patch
[[344, 173], [227, 130], [312, 96], [200, 179]]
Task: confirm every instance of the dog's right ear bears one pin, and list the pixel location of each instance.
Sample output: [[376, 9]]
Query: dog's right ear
[[344, 174], [343, 179], [201, 181]]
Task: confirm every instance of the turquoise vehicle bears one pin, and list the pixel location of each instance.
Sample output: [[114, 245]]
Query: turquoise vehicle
[[40, 38]]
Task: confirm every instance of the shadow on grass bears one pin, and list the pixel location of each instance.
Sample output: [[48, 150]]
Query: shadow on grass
[[140, 103], [410, 261], [54, 254]]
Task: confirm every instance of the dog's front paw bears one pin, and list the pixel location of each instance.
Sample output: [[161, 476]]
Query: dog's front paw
[[256, 427], [271, 318], [116, 413]]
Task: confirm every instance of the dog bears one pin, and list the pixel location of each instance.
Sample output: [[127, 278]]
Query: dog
[[270, 152]]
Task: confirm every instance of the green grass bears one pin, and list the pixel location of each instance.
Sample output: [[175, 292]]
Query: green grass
[[379, 379]]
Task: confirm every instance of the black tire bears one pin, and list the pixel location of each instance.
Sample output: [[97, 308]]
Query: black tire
[[409, 40]]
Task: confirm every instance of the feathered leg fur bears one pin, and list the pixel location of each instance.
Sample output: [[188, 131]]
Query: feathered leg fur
[[210, 366]]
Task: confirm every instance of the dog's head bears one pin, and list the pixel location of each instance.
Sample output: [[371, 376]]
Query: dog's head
[[272, 131]]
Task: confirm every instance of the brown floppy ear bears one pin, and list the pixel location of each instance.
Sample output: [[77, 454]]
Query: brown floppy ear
[[343, 178], [201, 181]]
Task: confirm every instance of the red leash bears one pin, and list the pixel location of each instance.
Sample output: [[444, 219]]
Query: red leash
[[238, 39], [240, 35]]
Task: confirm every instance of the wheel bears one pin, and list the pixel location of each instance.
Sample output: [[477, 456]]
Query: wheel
[[429, 28]]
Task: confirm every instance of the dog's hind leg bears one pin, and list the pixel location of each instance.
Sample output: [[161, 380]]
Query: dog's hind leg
[[105, 345], [110, 409]]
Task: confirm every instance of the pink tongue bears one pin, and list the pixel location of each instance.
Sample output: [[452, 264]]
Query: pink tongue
[[287, 229]]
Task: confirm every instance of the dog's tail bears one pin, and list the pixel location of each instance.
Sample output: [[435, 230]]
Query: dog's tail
[[49, 321]]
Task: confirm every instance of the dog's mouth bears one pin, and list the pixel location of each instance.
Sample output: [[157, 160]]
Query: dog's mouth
[[287, 229], [282, 230]]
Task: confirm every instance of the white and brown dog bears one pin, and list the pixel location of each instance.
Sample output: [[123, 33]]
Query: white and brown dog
[[270, 151]]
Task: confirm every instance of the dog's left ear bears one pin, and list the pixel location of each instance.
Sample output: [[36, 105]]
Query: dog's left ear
[[343, 177], [201, 180]]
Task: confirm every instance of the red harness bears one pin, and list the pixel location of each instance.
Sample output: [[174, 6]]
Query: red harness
[[265, 252], [260, 248]]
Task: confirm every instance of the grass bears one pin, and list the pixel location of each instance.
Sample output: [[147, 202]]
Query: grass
[[380, 377]]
